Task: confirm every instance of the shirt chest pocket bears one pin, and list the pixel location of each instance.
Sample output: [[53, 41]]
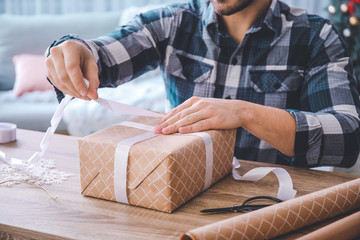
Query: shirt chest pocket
[[275, 81], [188, 68]]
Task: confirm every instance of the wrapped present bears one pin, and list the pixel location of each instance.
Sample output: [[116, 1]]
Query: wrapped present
[[131, 164]]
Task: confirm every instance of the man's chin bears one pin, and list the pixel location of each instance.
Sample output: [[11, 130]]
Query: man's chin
[[224, 10]]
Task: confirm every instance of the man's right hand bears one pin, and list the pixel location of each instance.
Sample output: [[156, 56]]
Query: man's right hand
[[68, 64]]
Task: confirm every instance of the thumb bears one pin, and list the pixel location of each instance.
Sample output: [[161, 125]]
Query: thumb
[[91, 74]]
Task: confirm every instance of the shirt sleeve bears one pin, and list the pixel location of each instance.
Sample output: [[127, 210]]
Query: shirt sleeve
[[327, 132], [133, 49]]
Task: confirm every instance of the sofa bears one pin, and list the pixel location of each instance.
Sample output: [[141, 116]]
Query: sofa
[[29, 101]]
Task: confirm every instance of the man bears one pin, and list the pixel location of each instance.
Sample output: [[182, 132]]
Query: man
[[280, 76]]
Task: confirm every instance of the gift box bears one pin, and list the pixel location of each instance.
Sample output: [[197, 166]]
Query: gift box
[[162, 172]]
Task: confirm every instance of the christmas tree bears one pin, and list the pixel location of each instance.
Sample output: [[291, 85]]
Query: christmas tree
[[345, 16]]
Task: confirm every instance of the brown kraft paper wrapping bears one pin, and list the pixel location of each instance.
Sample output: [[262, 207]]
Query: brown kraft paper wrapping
[[163, 172], [344, 229], [284, 217]]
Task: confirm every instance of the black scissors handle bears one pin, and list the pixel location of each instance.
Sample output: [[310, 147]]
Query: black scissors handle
[[245, 207], [235, 208], [219, 210]]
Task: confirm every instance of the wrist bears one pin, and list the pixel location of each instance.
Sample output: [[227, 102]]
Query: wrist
[[61, 40], [246, 113]]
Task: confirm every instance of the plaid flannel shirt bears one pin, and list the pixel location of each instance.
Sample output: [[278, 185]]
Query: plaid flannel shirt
[[288, 60]]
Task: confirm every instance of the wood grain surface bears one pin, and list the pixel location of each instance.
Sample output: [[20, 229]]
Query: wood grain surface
[[27, 212]]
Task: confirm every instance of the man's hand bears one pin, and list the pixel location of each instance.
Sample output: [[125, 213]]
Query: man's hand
[[273, 125], [199, 114], [68, 64]]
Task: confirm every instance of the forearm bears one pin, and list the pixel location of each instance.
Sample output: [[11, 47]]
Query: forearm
[[124, 55], [133, 49], [275, 126], [118, 57]]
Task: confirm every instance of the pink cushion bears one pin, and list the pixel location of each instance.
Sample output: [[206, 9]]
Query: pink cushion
[[30, 72]]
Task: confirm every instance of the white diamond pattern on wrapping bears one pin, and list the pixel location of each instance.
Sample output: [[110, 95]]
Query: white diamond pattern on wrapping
[[86, 168], [287, 216], [189, 176], [103, 175], [144, 158], [183, 155], [99, 156], [157, 177], [221, 152], [148, 194]]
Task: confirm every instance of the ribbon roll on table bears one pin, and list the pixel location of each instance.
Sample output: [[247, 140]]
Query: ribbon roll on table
[[7, 132]]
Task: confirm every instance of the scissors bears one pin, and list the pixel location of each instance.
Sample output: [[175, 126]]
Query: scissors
[[245, 206]]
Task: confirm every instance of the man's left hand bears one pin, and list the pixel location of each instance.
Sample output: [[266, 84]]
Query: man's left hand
[[199, 114]]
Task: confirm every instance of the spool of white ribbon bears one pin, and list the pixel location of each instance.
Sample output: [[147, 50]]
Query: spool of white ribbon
[[7, 132]]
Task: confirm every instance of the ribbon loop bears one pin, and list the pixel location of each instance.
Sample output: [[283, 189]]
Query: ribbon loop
[[286, 190]]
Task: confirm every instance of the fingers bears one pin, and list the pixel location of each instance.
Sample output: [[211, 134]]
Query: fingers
[[183, 121], [164, 123], [199, 126], [91, 74], [67, 65], [199, 114], [54, 77], [188, 103], [73, 76], [187, 117]]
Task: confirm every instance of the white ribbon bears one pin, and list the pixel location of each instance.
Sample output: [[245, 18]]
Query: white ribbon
[[124, 109], [123, 150], [209, 156], [54, 122], [18, 163], [121, 165], [285, 191]]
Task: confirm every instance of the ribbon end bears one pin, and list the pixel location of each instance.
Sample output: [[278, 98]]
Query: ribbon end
[[35, 157], [236, 163], [286, 194]]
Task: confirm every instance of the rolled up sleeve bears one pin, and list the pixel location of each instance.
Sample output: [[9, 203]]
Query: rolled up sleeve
[[327, 130]]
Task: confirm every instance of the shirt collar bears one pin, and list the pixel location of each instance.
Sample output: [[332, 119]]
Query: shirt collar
[[272, 19], [209, 18]]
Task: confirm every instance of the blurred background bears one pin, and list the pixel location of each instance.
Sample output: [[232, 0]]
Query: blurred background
[[69, 6]]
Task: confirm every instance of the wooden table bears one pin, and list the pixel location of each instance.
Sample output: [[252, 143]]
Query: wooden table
[[28, 212]]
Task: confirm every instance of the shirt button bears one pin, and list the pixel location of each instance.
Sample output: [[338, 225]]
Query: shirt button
[[234, 61]]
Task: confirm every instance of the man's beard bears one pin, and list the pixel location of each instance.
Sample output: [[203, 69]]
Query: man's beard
[[228, 10]]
